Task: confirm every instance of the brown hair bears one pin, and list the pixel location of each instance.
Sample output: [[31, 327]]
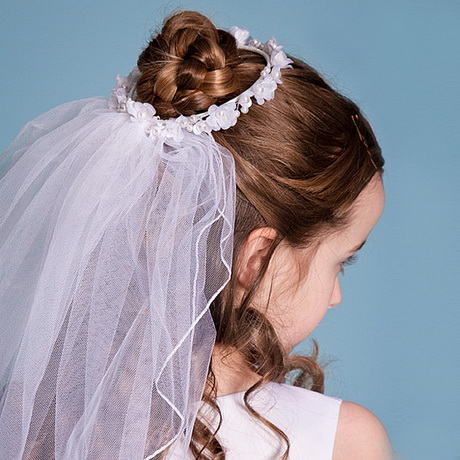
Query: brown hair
[[301, 161]]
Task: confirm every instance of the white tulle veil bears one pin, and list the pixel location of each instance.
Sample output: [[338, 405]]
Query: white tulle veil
[[112, 247], [116, 234]]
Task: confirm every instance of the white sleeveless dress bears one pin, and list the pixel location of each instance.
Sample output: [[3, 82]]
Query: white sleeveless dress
[[309, 419]]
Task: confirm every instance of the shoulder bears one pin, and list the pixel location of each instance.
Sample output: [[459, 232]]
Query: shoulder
[[360, 435]]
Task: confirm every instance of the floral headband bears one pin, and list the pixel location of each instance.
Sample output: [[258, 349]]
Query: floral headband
[[217, 117]]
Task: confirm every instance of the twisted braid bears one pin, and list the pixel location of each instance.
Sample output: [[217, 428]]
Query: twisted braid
[[189, 66]]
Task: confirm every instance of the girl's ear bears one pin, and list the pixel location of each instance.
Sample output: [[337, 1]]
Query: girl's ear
[[253, 252]]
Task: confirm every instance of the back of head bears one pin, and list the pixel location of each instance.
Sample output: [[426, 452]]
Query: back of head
[[301, 159]]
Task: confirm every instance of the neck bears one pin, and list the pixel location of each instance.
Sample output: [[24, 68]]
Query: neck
[[232, 372]]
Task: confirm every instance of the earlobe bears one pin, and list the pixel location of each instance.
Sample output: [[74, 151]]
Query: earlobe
[[253, 252]]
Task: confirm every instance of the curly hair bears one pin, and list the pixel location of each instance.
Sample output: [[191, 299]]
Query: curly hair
[[301, 160]]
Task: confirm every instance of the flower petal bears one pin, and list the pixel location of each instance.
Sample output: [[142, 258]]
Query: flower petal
[[241, 35]]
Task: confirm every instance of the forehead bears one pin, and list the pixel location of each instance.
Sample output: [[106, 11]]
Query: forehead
[[364, 214]]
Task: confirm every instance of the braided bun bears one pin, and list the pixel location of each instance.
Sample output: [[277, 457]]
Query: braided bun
[[189, 66]]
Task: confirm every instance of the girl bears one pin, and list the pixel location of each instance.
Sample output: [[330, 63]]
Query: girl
[[164, 252]]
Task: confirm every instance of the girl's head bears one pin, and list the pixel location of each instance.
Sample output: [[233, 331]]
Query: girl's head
[[302, 159], [308, 171]]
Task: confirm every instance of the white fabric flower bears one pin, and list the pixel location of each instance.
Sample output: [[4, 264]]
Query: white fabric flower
[[276, 74], [241, 35], [118, 99], [201, 127], [140, 111], [271, 45], [264, 90], [222, 117], [120, 95], [185, 123], [173, 131], [279, 59], [122, 82]]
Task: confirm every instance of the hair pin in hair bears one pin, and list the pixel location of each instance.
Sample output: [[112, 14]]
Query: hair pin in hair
[[355, 119], [217, 117]]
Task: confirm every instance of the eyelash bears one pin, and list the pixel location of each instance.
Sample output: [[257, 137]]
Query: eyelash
[[350, 261]]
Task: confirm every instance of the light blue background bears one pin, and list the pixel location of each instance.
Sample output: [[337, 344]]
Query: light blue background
[[394, 342]]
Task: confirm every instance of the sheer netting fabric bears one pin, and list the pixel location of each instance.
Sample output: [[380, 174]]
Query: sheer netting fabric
[[112, 247]]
